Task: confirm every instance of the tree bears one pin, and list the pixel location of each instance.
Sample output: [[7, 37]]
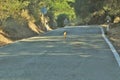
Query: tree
[[11, 8], [30, 9], [60, 19]]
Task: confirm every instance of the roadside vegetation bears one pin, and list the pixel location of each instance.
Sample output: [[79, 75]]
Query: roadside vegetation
[[25, 18]]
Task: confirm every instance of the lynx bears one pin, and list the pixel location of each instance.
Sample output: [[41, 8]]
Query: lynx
[[65, 34]]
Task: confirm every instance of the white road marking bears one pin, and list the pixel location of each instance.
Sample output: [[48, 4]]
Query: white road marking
[[115, 53]]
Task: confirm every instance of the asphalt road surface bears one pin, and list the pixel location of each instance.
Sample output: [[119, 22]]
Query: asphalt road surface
[[83, 55]]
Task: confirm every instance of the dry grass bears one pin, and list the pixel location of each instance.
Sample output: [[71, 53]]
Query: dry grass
[[20, 28], [34, 28], [4, 40], [14, 30]]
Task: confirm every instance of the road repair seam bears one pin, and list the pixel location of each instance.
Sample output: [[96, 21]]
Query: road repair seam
[[115, 53]]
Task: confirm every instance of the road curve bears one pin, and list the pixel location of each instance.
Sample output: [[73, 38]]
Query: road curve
[[83, 55]]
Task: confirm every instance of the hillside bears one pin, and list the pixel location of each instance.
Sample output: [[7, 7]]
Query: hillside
[[13, 30], [36, 15]]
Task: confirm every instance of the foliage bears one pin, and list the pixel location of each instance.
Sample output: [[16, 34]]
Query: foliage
[[60, 19], [112, 6], [98, 9], [11, 8], [62, 7], [85, 10], [16, 9]]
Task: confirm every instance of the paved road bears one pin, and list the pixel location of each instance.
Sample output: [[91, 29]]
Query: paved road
[[84, 55]]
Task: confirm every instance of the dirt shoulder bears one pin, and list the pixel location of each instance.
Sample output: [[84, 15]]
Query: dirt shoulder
[[114, 36], [4, 40]]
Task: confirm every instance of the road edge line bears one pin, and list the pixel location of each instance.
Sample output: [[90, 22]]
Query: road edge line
[[115, 53]]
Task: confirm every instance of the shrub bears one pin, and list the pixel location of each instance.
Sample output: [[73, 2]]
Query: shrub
[[60, 19]]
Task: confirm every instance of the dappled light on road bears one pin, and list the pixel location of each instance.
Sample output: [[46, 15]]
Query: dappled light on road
[[50, 56]]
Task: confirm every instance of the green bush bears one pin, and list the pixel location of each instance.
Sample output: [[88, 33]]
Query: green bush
[[60, 19]]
